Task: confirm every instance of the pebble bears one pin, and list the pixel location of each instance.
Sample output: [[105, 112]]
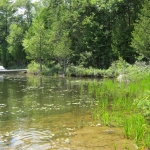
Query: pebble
[[67, 141], [98, 125]]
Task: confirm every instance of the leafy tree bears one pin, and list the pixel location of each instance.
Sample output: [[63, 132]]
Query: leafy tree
[[6, 15], [124, 14], [12, 29], [141, 33], [62, 52], [90, 32], [26, 9], [15, 47], [22, 20], [37, 42], [56, 17]]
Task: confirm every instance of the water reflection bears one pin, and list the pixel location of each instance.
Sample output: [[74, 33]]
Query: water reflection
[[1, 78], [27, 139], [36, 110]]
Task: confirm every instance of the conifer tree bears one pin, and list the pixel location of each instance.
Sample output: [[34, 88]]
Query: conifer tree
[[37, 42], [141, 33]]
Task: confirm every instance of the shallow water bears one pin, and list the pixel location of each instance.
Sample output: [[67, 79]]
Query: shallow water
[[39, 112]]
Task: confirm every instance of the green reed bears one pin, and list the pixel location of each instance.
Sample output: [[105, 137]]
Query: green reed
[[116, 106], [134, 127], [146, 141]]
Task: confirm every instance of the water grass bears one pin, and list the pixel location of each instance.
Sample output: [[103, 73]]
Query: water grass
[[125, 105], [134, 127]]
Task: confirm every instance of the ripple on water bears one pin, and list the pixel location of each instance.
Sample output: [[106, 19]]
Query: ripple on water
[[31, 139]]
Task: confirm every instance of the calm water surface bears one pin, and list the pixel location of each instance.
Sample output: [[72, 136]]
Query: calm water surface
[[38, 112]]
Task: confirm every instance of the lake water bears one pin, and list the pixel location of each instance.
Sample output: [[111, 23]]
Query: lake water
[[38, 112]]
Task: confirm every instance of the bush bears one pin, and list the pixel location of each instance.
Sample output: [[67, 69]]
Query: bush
[[34, 68], [143, 103], [80, 71], [55, 69]]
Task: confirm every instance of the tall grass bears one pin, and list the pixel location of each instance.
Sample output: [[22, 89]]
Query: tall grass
[[119, 104], [135, 127]]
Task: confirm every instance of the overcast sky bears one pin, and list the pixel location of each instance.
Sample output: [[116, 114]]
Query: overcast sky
[[21, 10]]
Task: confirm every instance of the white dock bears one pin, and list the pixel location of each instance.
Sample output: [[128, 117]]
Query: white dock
[[3, 70]]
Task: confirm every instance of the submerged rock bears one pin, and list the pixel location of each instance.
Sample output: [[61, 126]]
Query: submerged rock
[[98, 125]]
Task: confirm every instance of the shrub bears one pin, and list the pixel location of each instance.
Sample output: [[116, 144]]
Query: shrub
[[143, 103], [34, 68], [55, 69]]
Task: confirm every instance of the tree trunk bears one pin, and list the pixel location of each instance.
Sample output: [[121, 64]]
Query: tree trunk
[[40, 65]]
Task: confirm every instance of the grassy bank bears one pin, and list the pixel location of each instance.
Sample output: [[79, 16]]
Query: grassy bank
[[125, 105], [117, 67]]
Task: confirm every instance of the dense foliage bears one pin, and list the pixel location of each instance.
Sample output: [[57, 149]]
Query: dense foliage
[[141, 34], [87, 33]]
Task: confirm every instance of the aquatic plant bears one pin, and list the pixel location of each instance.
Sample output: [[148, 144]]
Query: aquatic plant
[[146, 141], [115, 146], [135, 127], [118, 104]]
